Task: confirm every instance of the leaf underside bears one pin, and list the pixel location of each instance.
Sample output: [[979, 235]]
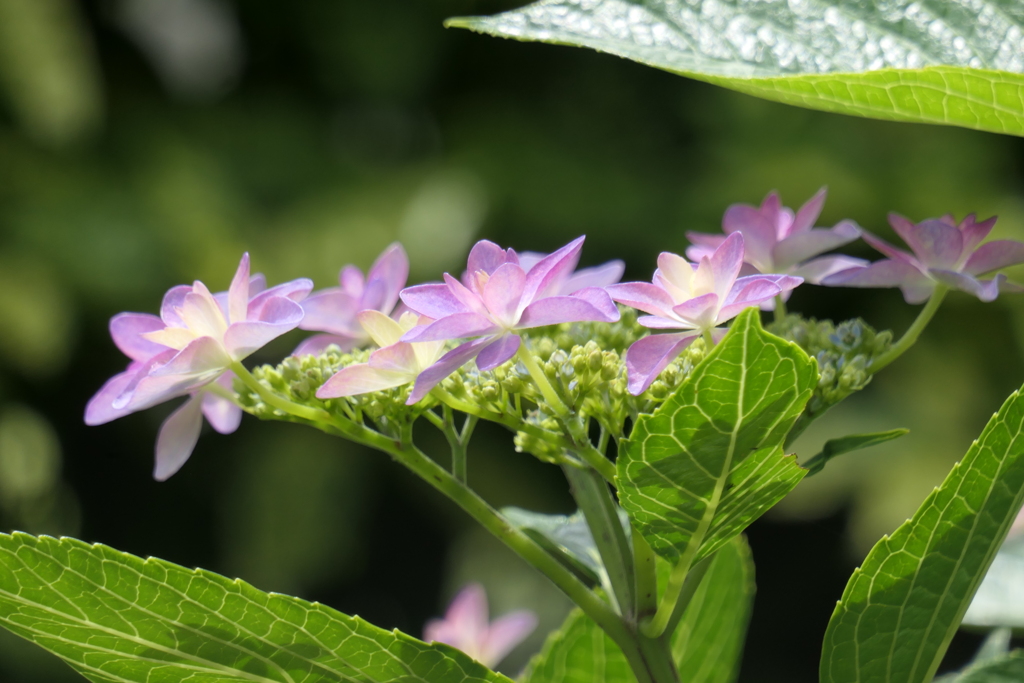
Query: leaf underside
[[706, 646], [933, 61], [115, 618], [902, 607], [709, 461]]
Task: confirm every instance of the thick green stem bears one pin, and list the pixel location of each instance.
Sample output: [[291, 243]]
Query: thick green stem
[[576, 431], [690, 586], [271, 398], [915, 330], [780, 308], [646, 577], [457, 444], [595, 500]]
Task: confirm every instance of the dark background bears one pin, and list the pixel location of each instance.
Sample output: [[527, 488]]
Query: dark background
[[145, 143]]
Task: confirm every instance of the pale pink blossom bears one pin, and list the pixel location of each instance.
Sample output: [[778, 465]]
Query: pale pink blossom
[[466, 627]]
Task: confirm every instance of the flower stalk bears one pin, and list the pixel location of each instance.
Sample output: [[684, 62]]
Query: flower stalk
[[909, 337]]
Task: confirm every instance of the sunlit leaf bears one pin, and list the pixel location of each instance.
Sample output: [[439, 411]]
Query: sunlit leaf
[[902, 607], [680, 466], [847, 444], [936, 61], [115, 617]]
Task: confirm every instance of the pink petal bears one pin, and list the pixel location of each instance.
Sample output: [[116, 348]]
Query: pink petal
[[974, 232], [433, 300], [351, 280], [758, 230], [892, 252], [487, 256], [754, 292], [587, 304], [178, 436], [643, 296], [257, 284], [398, 357], [386, 278], [457, 326], [295, 290], [808, 244], [647, 357], [698, 310], [361, 379], [202, 356], [503, 292], [318, 343], [884, 273], [551, 273], [446, 365], [995, 255], [100, 408], [126, 330], [504, 634], [195, 366], [238, 292], [496, 353], [986, 290], [470, 298], [816, 270], [468, 612], [173, 300], [703, 239], [596, 276], [278, 316], [223, 415], [807, 214], [654, 322], [726, 263], [331, 310], [936, 244], [697, 252]]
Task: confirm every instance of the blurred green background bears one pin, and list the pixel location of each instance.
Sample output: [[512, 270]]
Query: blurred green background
[[144, 143]]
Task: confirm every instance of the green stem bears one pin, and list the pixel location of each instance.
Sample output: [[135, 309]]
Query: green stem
[[272, 398], [541, 380], [709, 341], [646, 577], [595, 500], [915, 330], [780, 308], [690, 586], [458, 446]]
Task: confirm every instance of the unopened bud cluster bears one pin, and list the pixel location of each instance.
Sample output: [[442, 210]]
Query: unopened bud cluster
[[844, 354]]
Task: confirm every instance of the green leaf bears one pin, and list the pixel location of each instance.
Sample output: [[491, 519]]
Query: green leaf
[[709, 640], [686, 475], [115, 617], [846, 444], [933, 61], [1008, 669], [902, 607], [568, 538], [706, 647]]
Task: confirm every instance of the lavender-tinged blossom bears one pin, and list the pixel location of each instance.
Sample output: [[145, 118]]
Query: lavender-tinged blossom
[[466, 626], [595, 276], [500, 299], [335, 311], [188, 350], [696, 298], [777, 240], [943, 252], [396, 363]]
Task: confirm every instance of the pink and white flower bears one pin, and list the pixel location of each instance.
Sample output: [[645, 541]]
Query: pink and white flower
[[943, 252], [335, 311], [396, 363], [500, 299], [187, 349], [696, 298], [777, 240], [465, 626], [595, 276]]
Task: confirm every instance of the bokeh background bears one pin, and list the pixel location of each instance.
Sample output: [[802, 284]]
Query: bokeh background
[[145, 143]]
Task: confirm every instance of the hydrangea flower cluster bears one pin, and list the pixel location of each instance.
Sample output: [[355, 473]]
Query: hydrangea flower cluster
[[502, 312]]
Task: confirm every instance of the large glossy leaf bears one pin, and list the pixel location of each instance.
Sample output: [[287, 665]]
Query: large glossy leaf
[[115, 617], [686, 475], [937, 61], [901, 608], [709, 640], [706, 646]]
